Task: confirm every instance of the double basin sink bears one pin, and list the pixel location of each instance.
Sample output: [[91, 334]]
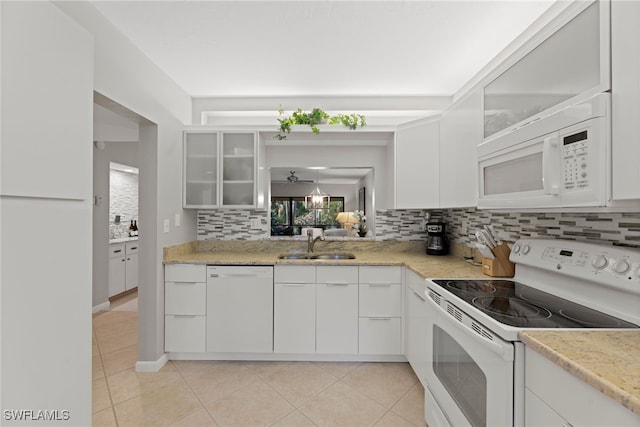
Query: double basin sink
[[331, 255]]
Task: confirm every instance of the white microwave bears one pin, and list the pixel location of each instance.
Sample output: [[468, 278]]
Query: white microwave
[[561, 160]]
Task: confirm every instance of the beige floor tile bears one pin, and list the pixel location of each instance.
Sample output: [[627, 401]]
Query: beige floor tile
[[106, 319], [200, 418], [265, 368], [342, 405], [128, 383], [96, 367], [218, 380], [299, 381], [391, 419], [104, 418], [338, 369], [384, 382], [294, 419], [120, 360], [125, 338], [194, 367], [99, 395], [118, 325], [159, 407], [411, 406], [255, 405]]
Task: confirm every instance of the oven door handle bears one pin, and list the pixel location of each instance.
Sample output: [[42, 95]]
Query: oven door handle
[[494, 347]]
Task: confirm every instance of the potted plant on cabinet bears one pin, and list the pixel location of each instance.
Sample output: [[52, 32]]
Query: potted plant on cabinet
[[314, 118]]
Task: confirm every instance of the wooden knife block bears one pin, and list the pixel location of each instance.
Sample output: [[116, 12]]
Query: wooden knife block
[[500, 266]]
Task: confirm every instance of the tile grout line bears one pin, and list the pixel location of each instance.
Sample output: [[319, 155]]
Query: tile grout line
[[194, 393], [104, 372]]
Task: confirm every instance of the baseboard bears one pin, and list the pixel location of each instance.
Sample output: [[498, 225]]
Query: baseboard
[[152, 366], [101, 307]]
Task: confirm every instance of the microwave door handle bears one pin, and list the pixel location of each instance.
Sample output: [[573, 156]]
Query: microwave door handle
[[551, 165], [496, 348]]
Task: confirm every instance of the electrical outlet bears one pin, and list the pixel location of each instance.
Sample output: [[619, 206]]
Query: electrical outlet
[[167, 224], [255, 222]]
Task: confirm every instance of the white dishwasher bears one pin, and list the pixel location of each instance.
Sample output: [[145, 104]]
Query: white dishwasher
[[240, 309]]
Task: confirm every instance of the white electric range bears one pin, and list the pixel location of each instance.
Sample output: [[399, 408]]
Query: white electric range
[[476, 372]]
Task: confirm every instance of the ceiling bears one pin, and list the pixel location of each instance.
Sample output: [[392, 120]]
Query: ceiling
[[305, 175], [321, 48]]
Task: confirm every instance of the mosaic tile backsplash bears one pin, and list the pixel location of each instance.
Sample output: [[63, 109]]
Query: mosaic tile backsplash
[[621, 229]]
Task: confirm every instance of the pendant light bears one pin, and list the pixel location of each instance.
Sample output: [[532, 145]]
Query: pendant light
[[317, 199]]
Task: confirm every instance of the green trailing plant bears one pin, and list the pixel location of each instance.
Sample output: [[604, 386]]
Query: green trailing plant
[[314, 118]]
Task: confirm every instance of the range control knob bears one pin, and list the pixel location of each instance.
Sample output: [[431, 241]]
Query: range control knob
[[516, 248], [621, 267], [526, 249], [599, 262]]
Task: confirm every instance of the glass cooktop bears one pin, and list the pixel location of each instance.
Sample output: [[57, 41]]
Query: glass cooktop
[[518, 305]]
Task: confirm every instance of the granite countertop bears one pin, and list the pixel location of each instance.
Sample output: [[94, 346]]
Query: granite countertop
[[426, 265], [123, 240], [606, 360]]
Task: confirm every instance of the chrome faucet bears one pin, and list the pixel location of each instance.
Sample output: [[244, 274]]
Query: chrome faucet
[[312, 241]]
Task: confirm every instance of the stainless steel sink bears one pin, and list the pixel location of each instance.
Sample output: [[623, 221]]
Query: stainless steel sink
[[293, 256], [334, 255]]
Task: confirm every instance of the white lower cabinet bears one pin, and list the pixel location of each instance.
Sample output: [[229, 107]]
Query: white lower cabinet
[[240, 309], [185, 308], [337, 309], [416, 310], [294, 315], [123, 267], [554, 397], [380, 310]]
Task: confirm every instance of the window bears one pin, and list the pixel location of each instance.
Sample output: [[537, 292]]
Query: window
[[289, 215]]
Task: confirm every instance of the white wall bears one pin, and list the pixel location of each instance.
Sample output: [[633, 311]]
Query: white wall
[[127, 77], [45, 214]]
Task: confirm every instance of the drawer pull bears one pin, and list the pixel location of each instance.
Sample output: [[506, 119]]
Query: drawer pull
[[418, 296], [379, 318], [337, 284], [117, 251], [185, 315], [380, 285], [133, 248], [185, 283]]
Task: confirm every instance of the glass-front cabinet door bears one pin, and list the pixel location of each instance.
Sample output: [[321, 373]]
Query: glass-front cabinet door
[[238, 169], [200, 171]]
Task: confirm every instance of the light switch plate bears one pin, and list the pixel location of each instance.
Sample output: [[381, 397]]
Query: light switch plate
[[167, 224], [255, 222], [177, 220]]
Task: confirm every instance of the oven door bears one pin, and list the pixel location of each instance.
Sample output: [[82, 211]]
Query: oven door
[[470, 374]]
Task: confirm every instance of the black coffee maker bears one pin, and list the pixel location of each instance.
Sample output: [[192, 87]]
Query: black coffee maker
[[437, 239]]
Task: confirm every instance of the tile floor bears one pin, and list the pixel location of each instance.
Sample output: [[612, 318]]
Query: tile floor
[[221, 393]]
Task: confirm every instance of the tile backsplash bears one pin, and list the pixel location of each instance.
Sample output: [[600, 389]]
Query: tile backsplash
[[407, 225]]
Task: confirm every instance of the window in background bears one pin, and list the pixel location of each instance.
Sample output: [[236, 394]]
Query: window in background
[[289, 215]]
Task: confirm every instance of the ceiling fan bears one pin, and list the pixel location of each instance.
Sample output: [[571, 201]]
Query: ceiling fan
[[293, 179]]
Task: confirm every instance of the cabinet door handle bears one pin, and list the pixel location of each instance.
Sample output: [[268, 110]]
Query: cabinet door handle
[[185, 283], [292, 284], [133, 248], [379, 318], [185, 315], [418, 296], [123, 260], [380, 285], [117, 251], [336, 284]]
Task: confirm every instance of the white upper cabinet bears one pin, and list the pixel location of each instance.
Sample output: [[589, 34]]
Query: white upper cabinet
[[567, 60], [417, 165], [625, 87], [200, 179], [238, 168], [219, 169], [460, 133]]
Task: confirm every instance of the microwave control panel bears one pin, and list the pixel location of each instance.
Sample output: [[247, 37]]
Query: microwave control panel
[[575, 164]]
